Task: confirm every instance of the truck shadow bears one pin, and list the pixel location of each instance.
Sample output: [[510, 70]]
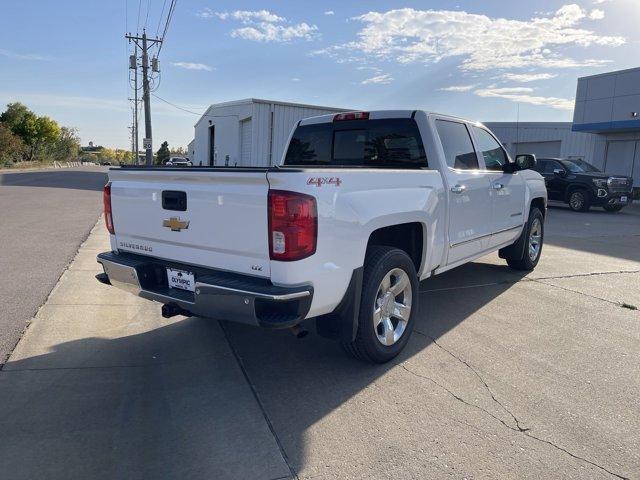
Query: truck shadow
[[149, 397], [160, 404], [72, 179]]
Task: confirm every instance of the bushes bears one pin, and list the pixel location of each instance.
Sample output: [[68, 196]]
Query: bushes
[[26, 136]]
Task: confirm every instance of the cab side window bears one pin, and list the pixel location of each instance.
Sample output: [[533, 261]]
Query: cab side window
[[457, 146], [492, 151], [551, 166]]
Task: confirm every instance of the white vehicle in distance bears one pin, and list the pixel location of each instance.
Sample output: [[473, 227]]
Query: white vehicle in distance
[[362, 206], [178, 162]]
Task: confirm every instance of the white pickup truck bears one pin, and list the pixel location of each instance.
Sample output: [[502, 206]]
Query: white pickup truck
[[362, 206]]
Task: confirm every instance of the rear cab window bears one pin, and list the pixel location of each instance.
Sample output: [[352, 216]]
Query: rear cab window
[[456, 143], [382, 143]]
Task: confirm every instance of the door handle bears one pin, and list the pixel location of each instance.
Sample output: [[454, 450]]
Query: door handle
[[458, 188], [498, 186]]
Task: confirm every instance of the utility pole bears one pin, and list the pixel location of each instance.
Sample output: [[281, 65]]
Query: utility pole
[[136, 160], [146, 94], [147, 101]]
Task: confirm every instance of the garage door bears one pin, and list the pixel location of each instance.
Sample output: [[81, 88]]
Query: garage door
[[620, 157], [539, 149], [245, 142]]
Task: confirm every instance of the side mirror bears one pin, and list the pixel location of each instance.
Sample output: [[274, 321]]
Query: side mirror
[[559, 172], [526, 161]]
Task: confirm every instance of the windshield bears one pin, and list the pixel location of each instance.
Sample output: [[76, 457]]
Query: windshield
[[578, 166]]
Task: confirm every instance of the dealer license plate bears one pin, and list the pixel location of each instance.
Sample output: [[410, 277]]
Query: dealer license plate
[[181, 279]]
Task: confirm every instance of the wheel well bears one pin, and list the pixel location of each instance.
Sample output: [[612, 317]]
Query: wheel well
[[573, 188], [539, 204], [406, 236]]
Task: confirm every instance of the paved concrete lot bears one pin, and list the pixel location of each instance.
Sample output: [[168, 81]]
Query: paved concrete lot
[[44, 216], [506, 376]]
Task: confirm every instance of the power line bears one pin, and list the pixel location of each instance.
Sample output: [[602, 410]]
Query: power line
[[172, 8], [138, 22], [164, 4], [191, 111], [146, 20]]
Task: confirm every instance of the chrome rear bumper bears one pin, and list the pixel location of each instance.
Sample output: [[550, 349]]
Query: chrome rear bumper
[[218, 295]]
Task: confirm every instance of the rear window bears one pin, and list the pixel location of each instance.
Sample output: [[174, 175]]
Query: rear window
[[390, 143]]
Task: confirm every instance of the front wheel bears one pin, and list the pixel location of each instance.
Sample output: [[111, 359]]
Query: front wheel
[[613, 208], [579, 201], [388, 305], [525, 253]]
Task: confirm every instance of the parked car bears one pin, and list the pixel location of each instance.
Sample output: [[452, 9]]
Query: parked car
[[178, 162], [362, 206], [581, 185]]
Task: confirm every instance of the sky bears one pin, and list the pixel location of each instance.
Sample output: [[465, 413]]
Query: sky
[[487, 60]]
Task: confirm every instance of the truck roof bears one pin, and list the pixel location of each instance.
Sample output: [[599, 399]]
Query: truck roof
[[381, 114]]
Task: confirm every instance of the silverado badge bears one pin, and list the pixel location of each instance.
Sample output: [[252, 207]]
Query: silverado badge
[[175, 224]]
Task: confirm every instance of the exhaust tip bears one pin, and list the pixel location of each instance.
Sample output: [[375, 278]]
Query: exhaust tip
[[171, 310], [103, 278]]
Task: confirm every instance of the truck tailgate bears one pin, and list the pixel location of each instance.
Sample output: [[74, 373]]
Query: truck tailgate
[[223, 224]]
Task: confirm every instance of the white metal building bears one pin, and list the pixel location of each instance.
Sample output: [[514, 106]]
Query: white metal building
[[544, 139], [250, 132], [605, 129]]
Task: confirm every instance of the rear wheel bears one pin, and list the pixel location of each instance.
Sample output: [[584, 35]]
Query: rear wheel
[[388, 305], [525, 254], [579, 201], [613, 208]]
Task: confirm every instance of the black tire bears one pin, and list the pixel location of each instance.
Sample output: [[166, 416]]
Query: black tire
[[613, 208], [517, 255], [380, 261], [579, 200]]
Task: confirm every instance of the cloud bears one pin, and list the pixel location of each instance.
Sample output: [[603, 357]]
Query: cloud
[[295, 79], [383, 79], [596, 14], [528, 77], [482, 43], [458, 88], [263, 26], [192, 66], [24, 56], [247, 16], [267, 32], [329, 12], [523, 95]]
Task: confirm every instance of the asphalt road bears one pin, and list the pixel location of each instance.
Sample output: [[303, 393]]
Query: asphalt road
[[44, 216]]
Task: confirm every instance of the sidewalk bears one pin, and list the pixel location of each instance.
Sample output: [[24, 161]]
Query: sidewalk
[[101, 386]]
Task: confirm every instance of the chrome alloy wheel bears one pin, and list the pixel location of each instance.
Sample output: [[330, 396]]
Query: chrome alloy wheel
[[392, 307], [535, 239]]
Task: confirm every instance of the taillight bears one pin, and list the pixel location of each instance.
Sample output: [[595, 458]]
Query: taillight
[[293, 225], [341, 117], [106, 200]]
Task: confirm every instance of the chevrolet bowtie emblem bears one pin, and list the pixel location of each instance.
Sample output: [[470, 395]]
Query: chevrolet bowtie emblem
[[175, 224]]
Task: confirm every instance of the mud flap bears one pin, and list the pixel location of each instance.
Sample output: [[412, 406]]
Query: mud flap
[[342, 323]]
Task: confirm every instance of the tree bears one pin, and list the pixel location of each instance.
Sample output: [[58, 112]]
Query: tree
[[14, 114], [34, 131], [163, 153], [11, 146], [47, 133], [66, 146]]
